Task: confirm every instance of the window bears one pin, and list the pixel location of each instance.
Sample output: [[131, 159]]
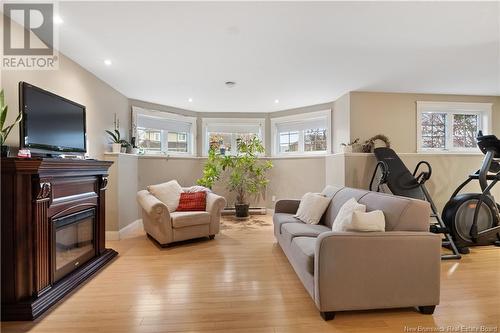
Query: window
[[222, 133], [302, 134], [451, 126], [289, 142], [160, 132]]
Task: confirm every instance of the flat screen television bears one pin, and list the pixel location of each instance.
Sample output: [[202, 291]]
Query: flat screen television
[[51, 124]]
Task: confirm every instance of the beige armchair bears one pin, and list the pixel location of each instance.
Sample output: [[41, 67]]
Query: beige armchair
[[165, 227]]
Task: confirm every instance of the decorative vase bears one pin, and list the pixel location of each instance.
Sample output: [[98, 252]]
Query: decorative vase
[[5, 151], [123, 150], [134, 151], [242, 210], [116, 147]]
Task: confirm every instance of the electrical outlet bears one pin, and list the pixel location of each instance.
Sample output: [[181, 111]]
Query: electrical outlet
[[273, 198]]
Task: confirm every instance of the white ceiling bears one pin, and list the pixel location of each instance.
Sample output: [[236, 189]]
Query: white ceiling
[[300, 53]]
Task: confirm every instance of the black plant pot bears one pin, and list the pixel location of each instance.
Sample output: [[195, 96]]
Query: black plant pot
[[241, 210], [5, 151]]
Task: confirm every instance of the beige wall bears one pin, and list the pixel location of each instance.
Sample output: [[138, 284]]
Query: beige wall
[[77, 84], [341, 118], [395, 115], [121, 204]]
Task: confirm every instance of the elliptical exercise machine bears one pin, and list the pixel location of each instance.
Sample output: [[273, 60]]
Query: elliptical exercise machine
[[473, 218]]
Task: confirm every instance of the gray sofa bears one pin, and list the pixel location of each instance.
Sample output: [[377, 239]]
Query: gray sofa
[[364, 270]]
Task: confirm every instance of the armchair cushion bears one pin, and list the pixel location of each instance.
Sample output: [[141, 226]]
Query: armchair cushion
[[192, 202], [169, 193], [188, 219]]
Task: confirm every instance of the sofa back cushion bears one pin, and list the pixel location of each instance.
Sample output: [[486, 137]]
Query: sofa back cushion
[[339, 198], [401, 214]]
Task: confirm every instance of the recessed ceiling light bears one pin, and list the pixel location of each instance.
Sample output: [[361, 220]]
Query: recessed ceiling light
[[108, 62], [230, 84], [190, 100], [276, 101], [57, 19]]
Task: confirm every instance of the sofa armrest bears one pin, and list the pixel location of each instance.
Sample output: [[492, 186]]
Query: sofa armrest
[[367, 270], [288, 206], [152, 206], [215, 204]]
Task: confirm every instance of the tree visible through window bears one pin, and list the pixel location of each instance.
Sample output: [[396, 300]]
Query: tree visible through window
[[465, 127], [433, 130], [449, 130], [315, 139]]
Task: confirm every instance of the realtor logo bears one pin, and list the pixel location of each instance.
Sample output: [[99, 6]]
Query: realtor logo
[[29, 36]]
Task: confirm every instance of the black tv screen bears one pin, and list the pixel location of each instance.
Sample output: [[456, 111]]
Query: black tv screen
[[51, 122]]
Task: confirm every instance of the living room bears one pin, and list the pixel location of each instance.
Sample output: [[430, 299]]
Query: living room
[[278, 115]]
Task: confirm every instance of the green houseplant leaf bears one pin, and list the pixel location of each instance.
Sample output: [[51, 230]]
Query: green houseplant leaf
[[245, 172], [5, 131]]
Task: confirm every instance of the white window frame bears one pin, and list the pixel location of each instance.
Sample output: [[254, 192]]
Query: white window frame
[[207, 122], [483, 110], [168, 116], [275, 147]]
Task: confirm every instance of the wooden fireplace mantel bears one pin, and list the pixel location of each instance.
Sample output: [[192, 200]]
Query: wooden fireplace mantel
[[34, 192]]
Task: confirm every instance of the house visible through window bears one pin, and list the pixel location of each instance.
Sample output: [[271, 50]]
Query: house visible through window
[[161, 132], [289, 142], [302, 134], [451, 126]]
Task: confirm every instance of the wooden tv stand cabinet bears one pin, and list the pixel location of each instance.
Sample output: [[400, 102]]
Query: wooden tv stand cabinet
[[53, 231]]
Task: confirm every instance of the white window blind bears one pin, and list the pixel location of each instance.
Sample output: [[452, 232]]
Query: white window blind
[[170, 125], [302, 125], [233, 128]]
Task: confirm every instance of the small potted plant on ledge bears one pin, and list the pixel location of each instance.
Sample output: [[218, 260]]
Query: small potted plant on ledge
[[245, 173], [5, 131], [117, 143]]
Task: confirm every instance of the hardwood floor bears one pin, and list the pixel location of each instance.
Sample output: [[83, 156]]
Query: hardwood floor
[[242, 282]]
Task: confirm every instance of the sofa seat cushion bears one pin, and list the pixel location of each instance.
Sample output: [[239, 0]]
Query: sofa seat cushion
[[292, 230], [188, 219], [279, 219], [302, 252]]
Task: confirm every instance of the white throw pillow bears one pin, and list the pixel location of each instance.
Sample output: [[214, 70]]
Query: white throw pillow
[[169, 193], [371, 221], [311, 207], [344, 217]]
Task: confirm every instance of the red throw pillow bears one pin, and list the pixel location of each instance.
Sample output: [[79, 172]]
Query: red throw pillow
[[192, 202]]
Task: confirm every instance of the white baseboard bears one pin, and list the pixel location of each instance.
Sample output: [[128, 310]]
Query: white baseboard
[[123, 232]]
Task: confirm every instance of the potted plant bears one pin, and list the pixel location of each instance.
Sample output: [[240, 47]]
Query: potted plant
[[245, 172], [350, 147], [5, 131], [116, 141]]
